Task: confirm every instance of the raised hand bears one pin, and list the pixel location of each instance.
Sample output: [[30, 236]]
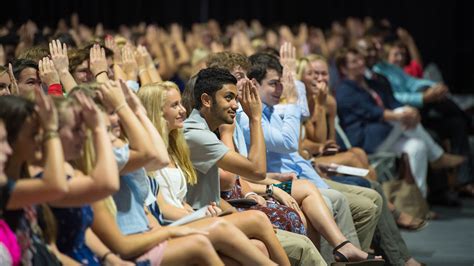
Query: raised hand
[[176, 32], [290, 94], [89, 111], [131, 98], [404, 35], [110, 44], [47, 72], [250, 100], [59, 56], [46, 111], [112, 94], [143, 57], [288, 57], [13, 84], [98, 61], [216, 47], [129, 63], [286, 34]]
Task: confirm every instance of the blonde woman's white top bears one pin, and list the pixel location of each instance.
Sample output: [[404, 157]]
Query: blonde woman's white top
[[172, 185]]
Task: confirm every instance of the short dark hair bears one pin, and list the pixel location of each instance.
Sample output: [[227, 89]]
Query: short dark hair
[[341, 57], [19, 65], [209, 81], [261, 63], [187, 97]]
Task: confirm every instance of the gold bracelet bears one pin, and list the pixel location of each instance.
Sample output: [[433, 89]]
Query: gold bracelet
[[50, 134]]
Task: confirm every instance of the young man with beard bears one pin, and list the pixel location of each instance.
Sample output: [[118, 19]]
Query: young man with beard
[[215, 104]]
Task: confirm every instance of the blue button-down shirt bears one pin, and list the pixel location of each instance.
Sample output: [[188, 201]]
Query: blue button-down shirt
[[281, 140], [407, 89]]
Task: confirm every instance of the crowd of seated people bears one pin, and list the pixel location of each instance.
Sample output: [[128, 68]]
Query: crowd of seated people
[[150, 145]]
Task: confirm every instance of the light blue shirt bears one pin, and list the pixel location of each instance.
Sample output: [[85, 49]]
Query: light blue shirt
[[302, 102], [407, 89], [281, 140], [130, 199]]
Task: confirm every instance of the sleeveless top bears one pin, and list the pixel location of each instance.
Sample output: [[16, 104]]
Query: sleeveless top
[[72, 224], [173, 185]]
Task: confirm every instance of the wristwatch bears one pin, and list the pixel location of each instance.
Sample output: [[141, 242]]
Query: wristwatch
[[269, 190]]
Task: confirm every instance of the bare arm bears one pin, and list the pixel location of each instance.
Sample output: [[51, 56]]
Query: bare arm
[[161, 157], [106, 228], [131, 246], [408, 40], [98, 63], [255, 166], [60, 59], [141, 153], [169, 211], [53, 185], [103, 180]]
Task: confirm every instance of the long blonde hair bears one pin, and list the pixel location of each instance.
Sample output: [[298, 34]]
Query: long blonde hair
[[153, 97]]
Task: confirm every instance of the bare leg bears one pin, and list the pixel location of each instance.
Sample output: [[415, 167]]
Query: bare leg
[[190, 250], [231, 242], [315, 209], [361, 155], [255, 224]]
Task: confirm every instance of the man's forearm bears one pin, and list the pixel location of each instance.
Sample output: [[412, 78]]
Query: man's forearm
[[257, 152]]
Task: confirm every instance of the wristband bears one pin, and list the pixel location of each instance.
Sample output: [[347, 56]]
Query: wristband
[[104, 257], [55, 89], [249, 194], [50, 134], [269, 190], [103, 71]]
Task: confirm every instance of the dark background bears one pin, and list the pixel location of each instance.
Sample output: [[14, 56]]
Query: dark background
[[443, 30]]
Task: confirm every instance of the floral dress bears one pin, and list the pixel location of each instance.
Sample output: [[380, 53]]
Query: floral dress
[[281, 216]]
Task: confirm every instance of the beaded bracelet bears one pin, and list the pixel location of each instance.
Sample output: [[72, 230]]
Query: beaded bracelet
[[50, 134]]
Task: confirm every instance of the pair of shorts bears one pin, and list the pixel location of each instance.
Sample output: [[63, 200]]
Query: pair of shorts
[[153, 257]]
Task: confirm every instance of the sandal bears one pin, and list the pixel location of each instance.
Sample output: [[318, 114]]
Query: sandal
[[342, 260]]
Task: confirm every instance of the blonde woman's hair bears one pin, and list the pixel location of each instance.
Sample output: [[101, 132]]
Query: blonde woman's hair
[[303, 63], [153, 97]]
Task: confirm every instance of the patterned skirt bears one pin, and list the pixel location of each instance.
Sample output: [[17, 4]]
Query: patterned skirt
[[281, 216]]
